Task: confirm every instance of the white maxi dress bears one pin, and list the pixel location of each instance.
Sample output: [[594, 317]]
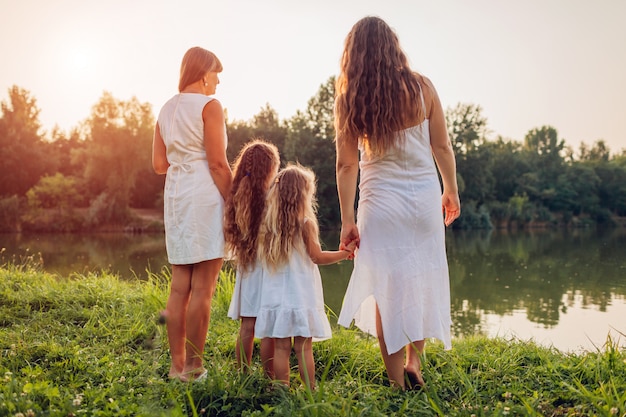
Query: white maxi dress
[[193, 205], [401, 264]]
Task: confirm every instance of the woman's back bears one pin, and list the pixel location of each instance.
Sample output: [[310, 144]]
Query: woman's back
[[401, 263], [182, 127]]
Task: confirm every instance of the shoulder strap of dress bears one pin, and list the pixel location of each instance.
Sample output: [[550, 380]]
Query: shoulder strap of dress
[[422, 99]]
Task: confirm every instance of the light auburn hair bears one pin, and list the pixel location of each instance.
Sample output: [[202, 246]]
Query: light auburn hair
[[195, 64], [253, 170], [377, 93], [290, 200]]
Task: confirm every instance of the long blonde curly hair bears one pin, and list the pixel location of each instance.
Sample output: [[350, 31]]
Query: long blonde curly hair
[[290, 200], [377, 93], [253, 170]]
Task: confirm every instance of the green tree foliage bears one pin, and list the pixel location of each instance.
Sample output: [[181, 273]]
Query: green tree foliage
[[542, 151], [612, 186], [61, 149], [10, 214], [51, 204], [24, 159], [577, 190], [104, 163], [310, 142], [117, 148], [507, 166], [611, 178], [467, 129], [265, 125], [544, 143], [54, 191], [268, 126], [239, 132], [599, 152]]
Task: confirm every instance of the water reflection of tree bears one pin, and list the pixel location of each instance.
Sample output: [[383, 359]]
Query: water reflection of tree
[[539, 272], [118, 253]]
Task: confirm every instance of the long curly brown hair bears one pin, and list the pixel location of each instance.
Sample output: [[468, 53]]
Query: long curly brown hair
[[290, 200], [253, 171], [377, 93]]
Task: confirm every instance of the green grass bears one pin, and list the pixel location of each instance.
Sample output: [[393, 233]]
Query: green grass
[[92, 346]]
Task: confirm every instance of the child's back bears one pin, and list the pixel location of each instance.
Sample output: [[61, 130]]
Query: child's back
[[254, 169], [292, 299]]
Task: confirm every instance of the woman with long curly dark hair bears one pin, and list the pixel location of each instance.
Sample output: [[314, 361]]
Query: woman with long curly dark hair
[[399, 288]]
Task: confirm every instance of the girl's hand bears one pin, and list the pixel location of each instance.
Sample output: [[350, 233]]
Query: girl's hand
[[350, 247]]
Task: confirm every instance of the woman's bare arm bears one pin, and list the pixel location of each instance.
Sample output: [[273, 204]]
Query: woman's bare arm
[[159, 153], [215, 145], [444, 155], [347, 169]]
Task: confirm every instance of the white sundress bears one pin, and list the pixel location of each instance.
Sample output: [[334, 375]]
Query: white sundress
[[401, 263], [292, 302], [193, 206], [246, 299]]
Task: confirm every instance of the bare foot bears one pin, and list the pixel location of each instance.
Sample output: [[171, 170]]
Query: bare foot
[[174, 374], [196, 375], [413, 379]]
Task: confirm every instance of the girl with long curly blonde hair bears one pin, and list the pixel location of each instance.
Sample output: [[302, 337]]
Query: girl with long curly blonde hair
[[254, 169], [292, 302], [391, 117]]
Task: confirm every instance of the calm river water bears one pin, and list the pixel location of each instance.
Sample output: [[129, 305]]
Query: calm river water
[[564, 288]]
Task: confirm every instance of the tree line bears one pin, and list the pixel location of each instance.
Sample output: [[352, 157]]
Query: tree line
[[102, 167]]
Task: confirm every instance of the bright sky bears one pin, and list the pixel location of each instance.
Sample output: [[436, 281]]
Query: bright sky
[[528, 63]]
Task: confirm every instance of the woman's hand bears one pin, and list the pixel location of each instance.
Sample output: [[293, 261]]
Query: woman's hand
[[349, 239], [451, 206], [349, 233]]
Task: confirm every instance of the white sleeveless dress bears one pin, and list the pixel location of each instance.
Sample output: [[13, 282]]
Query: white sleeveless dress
[[246, 298], [193, 206], [401, 264], [292, 302]]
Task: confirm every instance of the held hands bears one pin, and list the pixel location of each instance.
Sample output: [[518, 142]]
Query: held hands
[[350, 239], [350, 248]]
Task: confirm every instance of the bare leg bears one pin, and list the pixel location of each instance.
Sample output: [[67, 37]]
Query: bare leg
[[176, 313], [413, 364], [203, 282], [394, 363], [282, 351], [267, 356], [245, 342], [306, 364]]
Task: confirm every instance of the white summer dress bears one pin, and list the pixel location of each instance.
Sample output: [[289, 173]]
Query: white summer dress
[[401, 263], [193, 206], [292, 301], [246, 299]]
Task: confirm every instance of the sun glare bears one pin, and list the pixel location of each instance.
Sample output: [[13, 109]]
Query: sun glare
[[79, 62]]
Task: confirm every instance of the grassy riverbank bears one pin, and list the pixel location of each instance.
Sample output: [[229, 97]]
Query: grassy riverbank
[[92, 346]]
